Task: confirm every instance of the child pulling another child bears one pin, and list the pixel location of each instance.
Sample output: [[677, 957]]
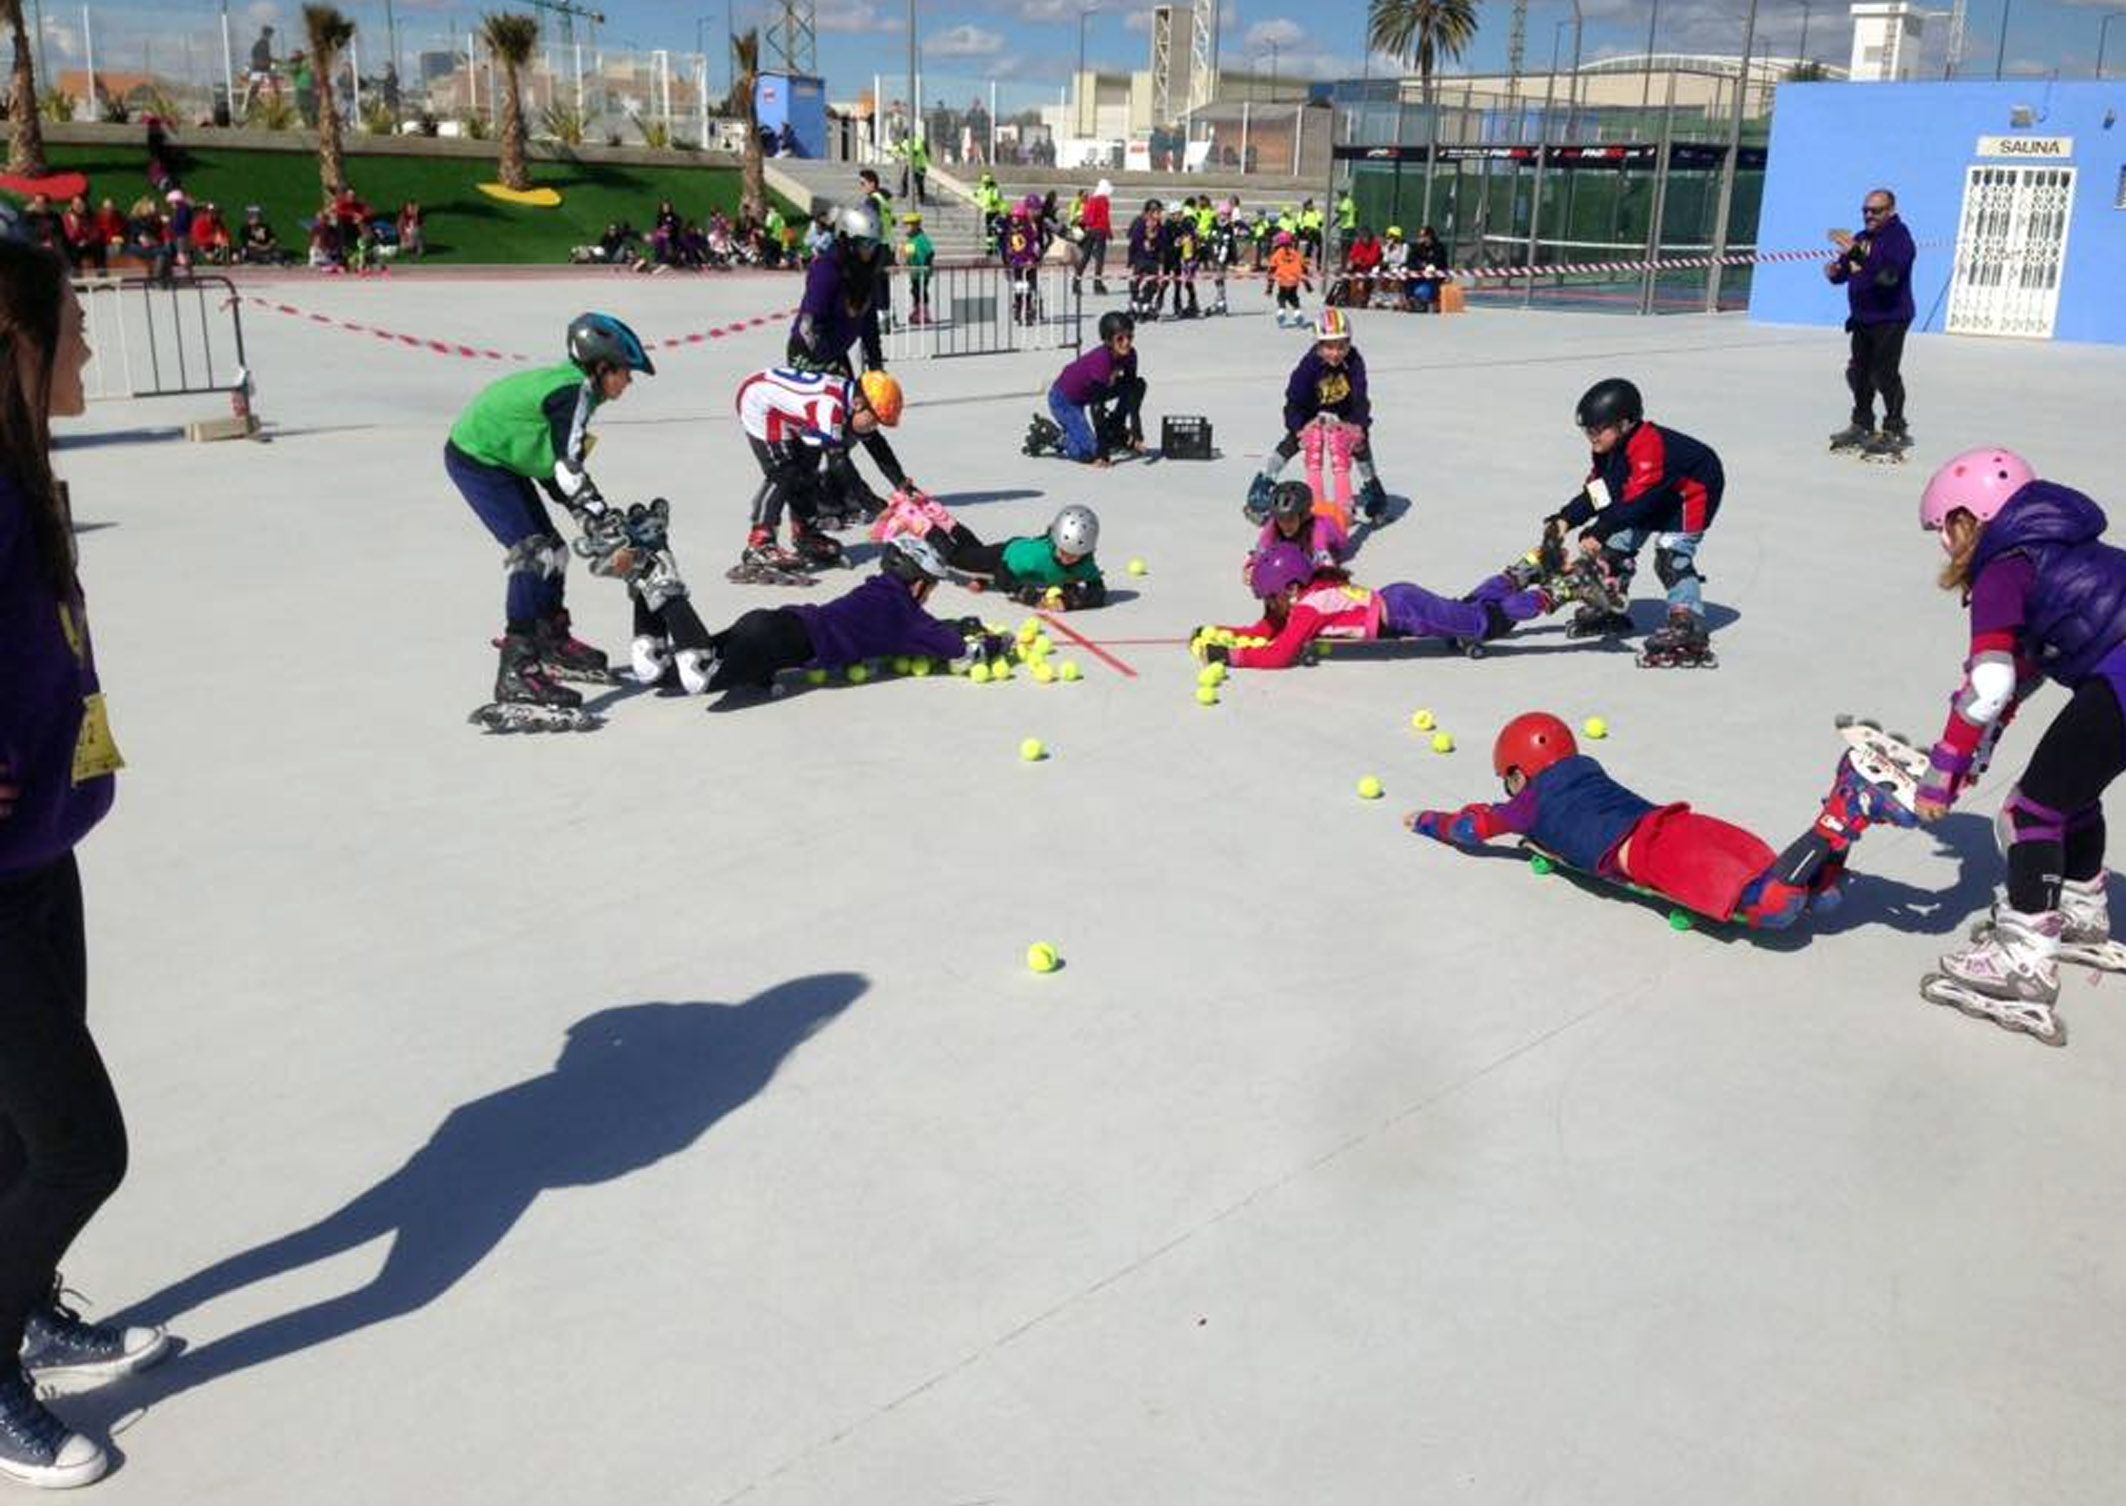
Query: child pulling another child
[[1053, 569]]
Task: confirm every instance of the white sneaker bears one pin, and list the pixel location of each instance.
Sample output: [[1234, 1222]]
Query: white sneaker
[[649, 656], [2017, 957], [697, 666]]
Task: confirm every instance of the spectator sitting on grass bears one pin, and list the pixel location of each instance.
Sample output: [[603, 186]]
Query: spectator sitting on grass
[[325, 253], [413, 230], [85, 247], [210, 236], [110, 226], [261, 248]]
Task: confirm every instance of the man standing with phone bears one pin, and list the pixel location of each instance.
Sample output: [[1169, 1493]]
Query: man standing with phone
[[1876, 268]]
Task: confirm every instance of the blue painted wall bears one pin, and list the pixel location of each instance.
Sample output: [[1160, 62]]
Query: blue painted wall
[[1831, 143], [799, 99]]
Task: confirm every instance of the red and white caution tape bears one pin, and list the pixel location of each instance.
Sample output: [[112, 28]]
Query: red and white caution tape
[[481, 353]]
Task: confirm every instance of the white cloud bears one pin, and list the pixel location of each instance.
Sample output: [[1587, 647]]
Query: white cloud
[[853, 16], [1280, 33], [964, 42]]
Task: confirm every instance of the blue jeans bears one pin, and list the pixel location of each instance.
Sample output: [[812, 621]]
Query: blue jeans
[[510, 507], [1682, 547], [1078, 441]]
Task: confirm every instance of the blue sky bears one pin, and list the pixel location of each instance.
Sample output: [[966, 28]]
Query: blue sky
[[1030, 46]]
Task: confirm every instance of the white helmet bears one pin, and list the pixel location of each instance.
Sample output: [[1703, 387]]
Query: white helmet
[[1076, 530], [859, 222], [911, 558]]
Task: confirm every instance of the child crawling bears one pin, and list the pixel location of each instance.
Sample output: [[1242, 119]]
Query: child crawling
[[1565, 803]]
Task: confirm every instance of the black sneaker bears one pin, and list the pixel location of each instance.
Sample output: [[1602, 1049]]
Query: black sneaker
[[61, 1351], [38, 1449]]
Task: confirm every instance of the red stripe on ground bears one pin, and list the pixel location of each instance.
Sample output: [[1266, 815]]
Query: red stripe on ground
[[1086, 643]]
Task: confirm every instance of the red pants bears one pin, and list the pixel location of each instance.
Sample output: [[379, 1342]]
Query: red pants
[[1700, 862]]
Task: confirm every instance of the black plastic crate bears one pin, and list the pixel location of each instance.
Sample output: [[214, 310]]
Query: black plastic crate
[[1185, 436]]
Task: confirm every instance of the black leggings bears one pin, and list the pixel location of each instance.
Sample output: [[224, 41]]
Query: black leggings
[[763, 641], [2057, 809], [62, 1138], [1877, 350], [968, 554]]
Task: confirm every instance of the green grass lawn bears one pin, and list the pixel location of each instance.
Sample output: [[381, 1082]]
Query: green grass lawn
[[464, 225]]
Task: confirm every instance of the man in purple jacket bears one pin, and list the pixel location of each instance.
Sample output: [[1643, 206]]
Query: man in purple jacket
[[1876, 268]]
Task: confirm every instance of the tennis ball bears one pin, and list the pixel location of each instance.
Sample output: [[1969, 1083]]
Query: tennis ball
[[815, 677], [1033, 750], [1443, 742], [1595, 727], [1679, 920], [1029, 630], [1042, 958], [1044, 674], [858, 673], [1421, 719], [1043, 644], [1070, 670], [920, 667], [1369, 788], [1001, 670], [1207, 695], [900, 664], [1138, 567], [979, 674], [1211, 674]]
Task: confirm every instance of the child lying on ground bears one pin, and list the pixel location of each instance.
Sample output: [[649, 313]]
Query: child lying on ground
[[1565, 803], [1054, 569]]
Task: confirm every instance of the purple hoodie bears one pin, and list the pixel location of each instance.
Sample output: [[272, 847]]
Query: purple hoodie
[[47, 670], [1880, 292], [878, 619], [2075, 611], [1316, 387], [824, 327], [1094, 376]]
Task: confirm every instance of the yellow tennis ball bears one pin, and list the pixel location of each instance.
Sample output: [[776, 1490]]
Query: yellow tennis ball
[[1211, 674], [979, 674], [1421, 719], [900, 664], [1033, 750], [858, 673], [1138, 567], [815, 677], [1070, 670], [1044, 674], [1029, 630], [1443, 742], [920, 667], [1207, 695], [1369, 788], [1001, 670], [1042, 958], [1595, 727], [1043, 644]]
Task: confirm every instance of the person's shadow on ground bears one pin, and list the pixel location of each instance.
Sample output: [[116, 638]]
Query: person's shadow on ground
[[633, 1085]]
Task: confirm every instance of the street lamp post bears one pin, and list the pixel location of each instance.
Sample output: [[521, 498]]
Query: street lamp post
[[914, 102], [1803, 49], [1646, 86], [2102, 32], [2000, 52], [1082, 15]]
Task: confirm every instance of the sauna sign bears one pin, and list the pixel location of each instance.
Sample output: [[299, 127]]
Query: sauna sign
[[2041, 148]]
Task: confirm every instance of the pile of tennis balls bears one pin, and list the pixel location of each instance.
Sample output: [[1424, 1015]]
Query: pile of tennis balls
[[1032, 648]]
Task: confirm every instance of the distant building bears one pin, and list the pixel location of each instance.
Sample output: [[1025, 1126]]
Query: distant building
[[1887, 38]]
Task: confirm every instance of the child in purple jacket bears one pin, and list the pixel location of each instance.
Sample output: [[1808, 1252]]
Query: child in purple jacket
[[1096, 404], [2048, 601], [880, 619]]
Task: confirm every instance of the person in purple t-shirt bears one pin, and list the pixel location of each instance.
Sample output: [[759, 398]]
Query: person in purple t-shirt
[[62, 1137], [1876, 268], [2047, 598], [1096, 403]]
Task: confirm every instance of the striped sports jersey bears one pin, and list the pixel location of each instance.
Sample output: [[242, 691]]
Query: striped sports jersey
[[780, 406]]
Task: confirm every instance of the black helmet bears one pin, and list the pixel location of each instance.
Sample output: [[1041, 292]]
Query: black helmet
[[596, 340], [911, 559], [1610, 401], [1114, 322], [1291, 500]]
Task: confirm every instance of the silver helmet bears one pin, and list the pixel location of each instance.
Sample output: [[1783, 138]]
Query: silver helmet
[[1076, 530]]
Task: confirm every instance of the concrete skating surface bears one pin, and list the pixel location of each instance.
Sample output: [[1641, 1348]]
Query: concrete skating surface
[[667, 1115]]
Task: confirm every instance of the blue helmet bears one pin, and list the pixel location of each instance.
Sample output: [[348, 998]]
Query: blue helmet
[[601, 340]]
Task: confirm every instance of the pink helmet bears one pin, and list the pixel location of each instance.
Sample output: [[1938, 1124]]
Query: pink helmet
[[1980, 482], [1278, 567], [1283, 238]]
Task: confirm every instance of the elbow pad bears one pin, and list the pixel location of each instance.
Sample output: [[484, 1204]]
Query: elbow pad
[[1989, 689]]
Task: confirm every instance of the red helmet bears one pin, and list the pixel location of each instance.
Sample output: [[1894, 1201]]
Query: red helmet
[[1532, 742]]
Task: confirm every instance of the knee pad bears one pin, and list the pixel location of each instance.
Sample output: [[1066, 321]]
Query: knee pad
[[1618, 565], [1673, 568], [2022, 819], [541, 554]]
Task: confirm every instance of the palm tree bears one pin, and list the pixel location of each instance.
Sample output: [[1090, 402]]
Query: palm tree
[[25, 134], [1423, 32], [329, 32], [511, 39], [745, 79]]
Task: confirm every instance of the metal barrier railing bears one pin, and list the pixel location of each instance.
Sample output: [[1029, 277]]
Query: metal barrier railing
[[981, 309], [152, 337]]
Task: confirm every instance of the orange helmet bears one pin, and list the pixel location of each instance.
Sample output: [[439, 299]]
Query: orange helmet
[[1532, 742], [882, 394]]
